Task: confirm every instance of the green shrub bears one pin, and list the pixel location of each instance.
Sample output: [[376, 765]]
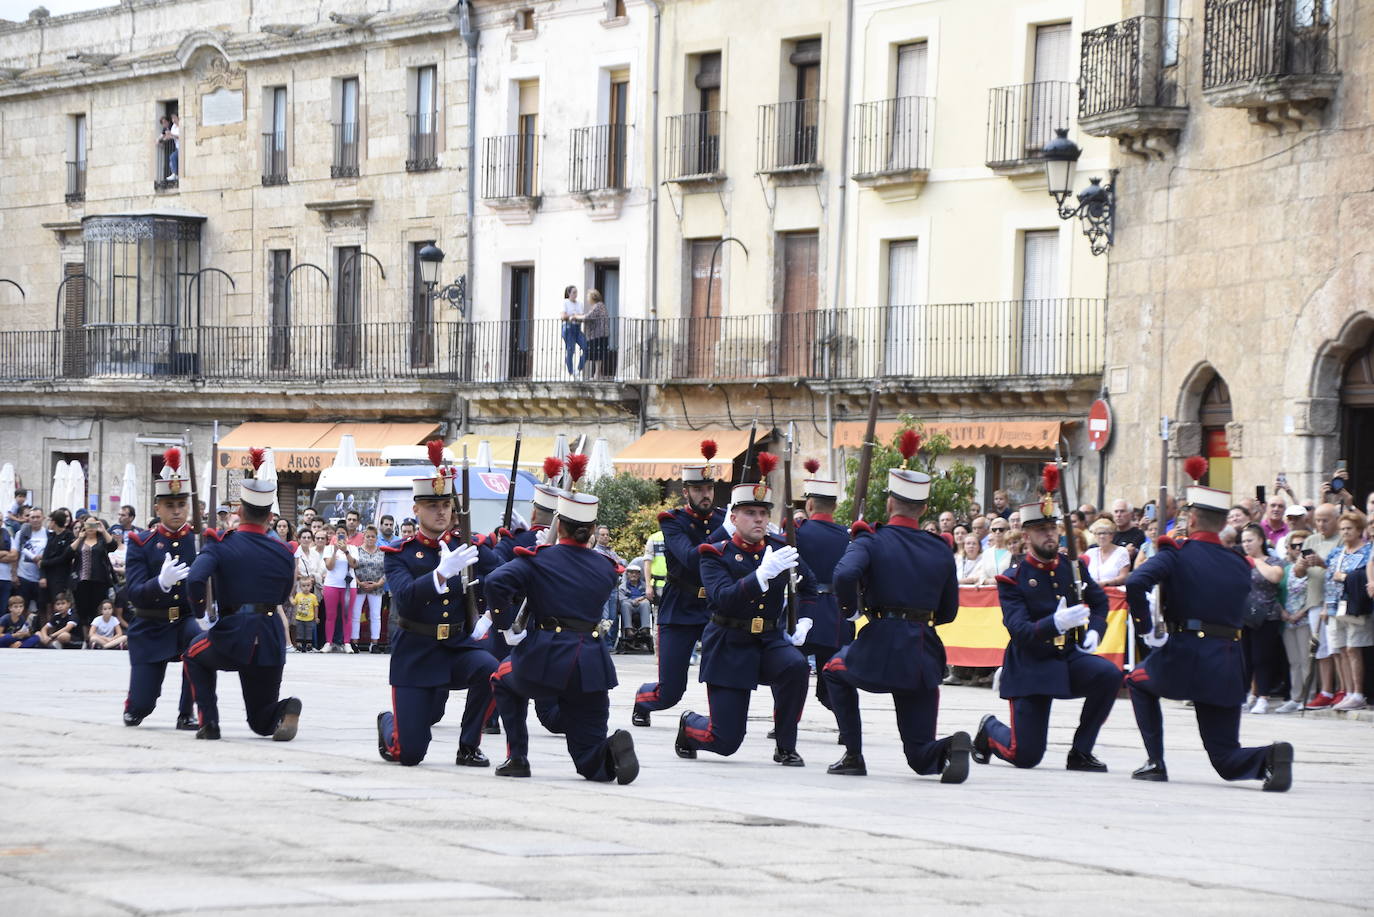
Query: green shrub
[[950, 489]]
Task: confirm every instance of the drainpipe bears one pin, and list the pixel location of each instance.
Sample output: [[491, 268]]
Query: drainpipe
[[653, 202], [839, 280], [467, 29]]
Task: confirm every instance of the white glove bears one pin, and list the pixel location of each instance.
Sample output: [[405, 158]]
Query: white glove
[[803, 628], [173, 571], [1155, 642], [512, 638], [775, 562], [1070, 616], [1090, 642], [452, 563], [483, 625]]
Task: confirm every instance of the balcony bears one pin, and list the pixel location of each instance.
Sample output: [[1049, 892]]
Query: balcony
[[1274, 58], [345, 164], [1021, 120], [789, 137], [76, 181], [510, 176], [892, 146], [273, 158], [166, 176], [692, 154], [598, 166], [1131, 83], [423, 153]]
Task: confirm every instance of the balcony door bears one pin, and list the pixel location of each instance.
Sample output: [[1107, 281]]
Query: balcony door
[[904, 330], [1053, 48], [797, 309], [909, 91], [802, 124], [348, 298], [422, 327], [616, 141], [521, 342], [701, 145], [527, 155], [279, 293], [703, 327], [1040, 302], [606, 280]]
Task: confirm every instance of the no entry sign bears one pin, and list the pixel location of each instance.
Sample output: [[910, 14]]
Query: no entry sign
[[1099, 425]]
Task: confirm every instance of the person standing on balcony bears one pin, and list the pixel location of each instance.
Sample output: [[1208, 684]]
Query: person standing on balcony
[[597, 327], [572, 331]]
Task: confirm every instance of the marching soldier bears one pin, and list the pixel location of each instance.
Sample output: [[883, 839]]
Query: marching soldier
[[542, 508], [252, 575], [683, 613], [821, 542], [1197, 657], [743, 645], [156, 562], [433, 655], [909, 586], [1046, 657], [559, 655]]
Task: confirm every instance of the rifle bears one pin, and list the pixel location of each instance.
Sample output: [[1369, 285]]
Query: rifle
[[866, 457], [197, 518], [465, 534], [514, 471], [1070, 540], [1160, 508], [749, 452], [789, 528]]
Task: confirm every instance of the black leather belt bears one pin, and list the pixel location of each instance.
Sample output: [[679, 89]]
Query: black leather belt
[[749, 625], [261, 608], [920, 615], [687, 587], [1204, 629], [558, 625], [172, 613], [433, 631]]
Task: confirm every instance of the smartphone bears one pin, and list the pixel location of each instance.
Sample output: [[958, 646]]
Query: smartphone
[[1341, 465], [1259, 493], [1283, 479], [1149, 512], [1307, 552]]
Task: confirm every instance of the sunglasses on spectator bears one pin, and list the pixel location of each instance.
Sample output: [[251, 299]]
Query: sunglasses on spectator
[[999, 528]]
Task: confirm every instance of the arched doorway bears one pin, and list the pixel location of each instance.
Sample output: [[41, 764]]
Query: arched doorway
[[1213, 414], [1357, 420]]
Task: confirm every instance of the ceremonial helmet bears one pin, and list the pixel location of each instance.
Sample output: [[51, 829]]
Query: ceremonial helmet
[[174, 480], [254, 491], [442, 484]]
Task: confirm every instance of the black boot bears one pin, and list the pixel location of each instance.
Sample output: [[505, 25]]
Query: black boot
[[982, 748], [208, 731], [772, 735], [1278, 768], [383, 740], [646, 635], [1153, 771], [1084, 761], [131, 720], [680, 744], [640, 716], [851, 765], [956, 758], [787, 757], [624, 761], [471, 757], [513, 767], [186, 722], [288, 718]]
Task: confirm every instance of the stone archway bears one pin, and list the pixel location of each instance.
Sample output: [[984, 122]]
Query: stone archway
[[1207, 424], [1341, 410]]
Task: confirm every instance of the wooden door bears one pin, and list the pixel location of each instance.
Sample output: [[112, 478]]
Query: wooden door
[[800, 298], [703, 328]]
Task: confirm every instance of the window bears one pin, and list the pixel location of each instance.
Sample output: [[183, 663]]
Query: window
[[345, 163], [905, 327], [617, 9], [1050, 75], [912, 61], [1169, 45], [791, 128], [168, 165], [348, 291], [279, 296], [908, 123], [424, 121], [527, 127], [524, 20], [76, 162], [705, 307], [1039, 301], [619, 103], [521, 339], [800, 297], [421, 311], [274, 137]]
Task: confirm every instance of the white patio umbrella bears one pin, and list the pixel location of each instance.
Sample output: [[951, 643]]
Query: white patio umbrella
[[560, 452], [202, 486], [484, 454], [59, 486], [76, 486], [599, 464], [347, 456], [128, 490], [268, 472], [6, 485]]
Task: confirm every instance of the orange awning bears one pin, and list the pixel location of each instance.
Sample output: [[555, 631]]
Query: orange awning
[[660, 454], [310, 447], [1030, 435], [533, 449]]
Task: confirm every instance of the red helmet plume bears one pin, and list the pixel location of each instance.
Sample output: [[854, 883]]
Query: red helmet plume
[[435, 447], [812, 465], [553, 467], [708, 449], [577, 466], [256, 456], [1195, 466], [1049, 477], [767, 462], [172, 458], [908, 445]]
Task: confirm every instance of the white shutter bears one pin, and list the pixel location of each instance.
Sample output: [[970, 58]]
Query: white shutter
[[911, 69], [905, 332], [1052, 52], [1039, 300], [1052, 44]]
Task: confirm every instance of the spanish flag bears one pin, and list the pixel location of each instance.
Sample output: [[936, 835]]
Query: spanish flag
[[977, 638]]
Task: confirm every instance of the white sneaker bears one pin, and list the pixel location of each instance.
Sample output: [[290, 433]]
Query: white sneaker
[[1352, 702], [1291, 706], [327, 648], [1261, 705], [1249, 701], [348, 647]]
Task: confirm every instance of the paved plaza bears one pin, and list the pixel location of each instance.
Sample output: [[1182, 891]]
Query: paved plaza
[[102, 819]]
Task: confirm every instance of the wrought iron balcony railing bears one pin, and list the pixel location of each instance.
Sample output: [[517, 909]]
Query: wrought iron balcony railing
[[1246, 40], [510, 166], [168, 174], [789, 136], [76, 181], [1135, 63], [598, 158], [1022, 119], [274, 158], [424, 143], [345, 164], [693, 149], [892, 136]]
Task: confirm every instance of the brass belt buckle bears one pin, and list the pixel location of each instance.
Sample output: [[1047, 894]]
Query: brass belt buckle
[[1059, 642], [756, 626], [701, 592], [441, 632], [173, 613]]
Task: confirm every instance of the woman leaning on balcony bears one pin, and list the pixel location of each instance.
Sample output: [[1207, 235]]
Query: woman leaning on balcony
[[597, 326]]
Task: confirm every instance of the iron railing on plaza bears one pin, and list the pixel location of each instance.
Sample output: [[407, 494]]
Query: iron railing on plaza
[[598, 158], [1246, 40], [76, 181], [345, 164], [274, 158], [892, 135], [1135, 63], [423, 150], [1022, 119], [789, 136], [693, 147], [168, 166], [510, 166]]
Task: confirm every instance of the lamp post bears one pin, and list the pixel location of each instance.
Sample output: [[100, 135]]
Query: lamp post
[[431, 257], [1096, 203]]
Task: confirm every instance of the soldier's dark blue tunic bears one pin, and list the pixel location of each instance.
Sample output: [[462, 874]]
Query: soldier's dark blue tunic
[[563, 657], [822, 541], [1035, 670], [163, 623], [683, 613], [253, 573], [756, 650], [1204, 587], [908, 571], [425, 668]]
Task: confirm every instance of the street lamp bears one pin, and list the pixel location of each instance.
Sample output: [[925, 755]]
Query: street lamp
[[1096, 203], [431, 257]]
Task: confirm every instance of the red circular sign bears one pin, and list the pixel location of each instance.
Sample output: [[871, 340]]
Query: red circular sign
[[1099, 425]]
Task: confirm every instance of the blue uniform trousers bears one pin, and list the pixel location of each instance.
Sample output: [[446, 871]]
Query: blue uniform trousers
[[1022, 743], [675, 645], [261, 685], [781, 667], [823, 655], [916, 716], [1218, 726], [580, 715], [415, 710], [145, 686]]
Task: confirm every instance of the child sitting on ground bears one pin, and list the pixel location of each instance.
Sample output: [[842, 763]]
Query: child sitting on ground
[[105, 632], [61, 628], [16, 627]]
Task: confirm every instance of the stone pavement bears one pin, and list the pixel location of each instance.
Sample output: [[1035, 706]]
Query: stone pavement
[[102, 819]]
